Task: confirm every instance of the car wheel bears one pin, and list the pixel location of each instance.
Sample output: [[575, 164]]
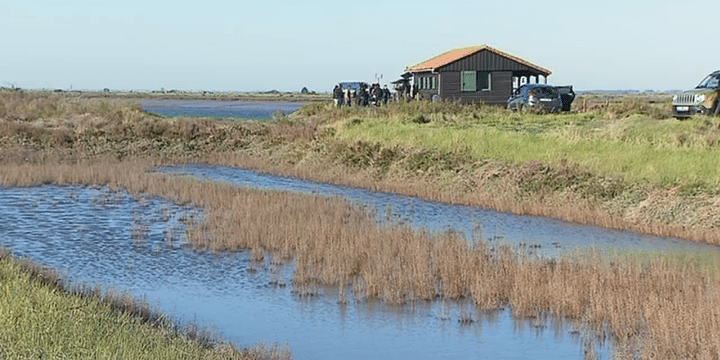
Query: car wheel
[[717, 109]]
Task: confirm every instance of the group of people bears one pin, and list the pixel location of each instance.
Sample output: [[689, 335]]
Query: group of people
[[404, 91], [362, 96]]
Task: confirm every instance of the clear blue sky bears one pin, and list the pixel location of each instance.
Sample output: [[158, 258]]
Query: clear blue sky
[[269, 44]]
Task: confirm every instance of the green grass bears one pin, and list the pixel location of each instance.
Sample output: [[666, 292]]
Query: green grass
[[635, 148], [40, 321]]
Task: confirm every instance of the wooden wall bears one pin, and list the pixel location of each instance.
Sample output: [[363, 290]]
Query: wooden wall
[[501, 88], [488, 61]]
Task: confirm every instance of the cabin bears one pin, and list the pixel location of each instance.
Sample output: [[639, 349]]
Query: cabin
[[474, 74]]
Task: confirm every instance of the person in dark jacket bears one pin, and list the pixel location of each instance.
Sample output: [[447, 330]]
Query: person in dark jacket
[[358, 94], [338, 95], [386, 95], [377, 94]]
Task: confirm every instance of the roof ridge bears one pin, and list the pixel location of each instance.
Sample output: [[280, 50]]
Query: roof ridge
[[467, 51], [518, 59], [475, 48]]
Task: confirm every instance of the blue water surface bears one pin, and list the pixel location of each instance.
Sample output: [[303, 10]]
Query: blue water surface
[[237, 109], [96, 235]]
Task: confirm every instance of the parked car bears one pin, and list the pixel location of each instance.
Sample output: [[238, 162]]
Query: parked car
[[567, 95], [540, 97], [703, 99]]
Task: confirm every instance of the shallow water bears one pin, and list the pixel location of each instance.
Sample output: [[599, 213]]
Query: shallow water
[[99, 236], [541, 236], [239, 109]]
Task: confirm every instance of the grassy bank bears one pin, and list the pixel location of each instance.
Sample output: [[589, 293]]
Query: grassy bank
[[41, 319], [620, 141], [625, 165]]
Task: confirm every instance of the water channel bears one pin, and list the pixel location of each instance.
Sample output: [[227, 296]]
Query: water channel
[[94, 235], [547, 237], [237, 109]]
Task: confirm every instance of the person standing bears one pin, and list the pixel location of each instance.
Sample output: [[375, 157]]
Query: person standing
[[348, 95], [377, 94], [337, 95], [358, 95]]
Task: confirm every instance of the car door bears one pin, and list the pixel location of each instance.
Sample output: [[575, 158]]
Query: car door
[[516, 100]]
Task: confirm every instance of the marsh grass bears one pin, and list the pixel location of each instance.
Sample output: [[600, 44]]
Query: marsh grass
[[653, 305], [600, 167], [625, 165], [642, 149]]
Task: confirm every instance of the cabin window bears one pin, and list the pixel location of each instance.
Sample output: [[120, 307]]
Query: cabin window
[[468, 81], [427, 83], [484, 80]]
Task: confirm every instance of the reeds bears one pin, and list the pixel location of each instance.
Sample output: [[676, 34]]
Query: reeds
[[658, 306], [537, 165]]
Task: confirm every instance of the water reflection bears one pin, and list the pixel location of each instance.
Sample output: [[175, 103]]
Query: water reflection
[[537, 235], [100, 236]]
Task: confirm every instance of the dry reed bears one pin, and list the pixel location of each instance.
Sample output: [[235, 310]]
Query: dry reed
[[661, 308], [47, 128]]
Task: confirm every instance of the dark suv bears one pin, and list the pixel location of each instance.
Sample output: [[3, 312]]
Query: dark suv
[[540, 97], [703, 99]]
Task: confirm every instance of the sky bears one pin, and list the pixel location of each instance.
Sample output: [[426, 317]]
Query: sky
[[265, 45]]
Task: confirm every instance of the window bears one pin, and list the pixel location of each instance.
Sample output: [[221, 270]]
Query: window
[[484, 81], [475, 81], [427, 83], [713, 83], [468, 81], [703, 84]]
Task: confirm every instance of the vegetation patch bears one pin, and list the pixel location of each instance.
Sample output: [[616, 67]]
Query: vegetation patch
[[41, 319], [611, 167]]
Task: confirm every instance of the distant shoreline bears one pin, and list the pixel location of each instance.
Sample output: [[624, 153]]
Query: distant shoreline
[[189, 95]]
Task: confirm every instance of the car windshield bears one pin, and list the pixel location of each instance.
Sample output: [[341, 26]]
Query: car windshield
[[710, 82], [545, 91]]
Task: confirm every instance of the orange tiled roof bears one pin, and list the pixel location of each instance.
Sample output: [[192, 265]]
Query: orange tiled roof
[[457, 54]]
